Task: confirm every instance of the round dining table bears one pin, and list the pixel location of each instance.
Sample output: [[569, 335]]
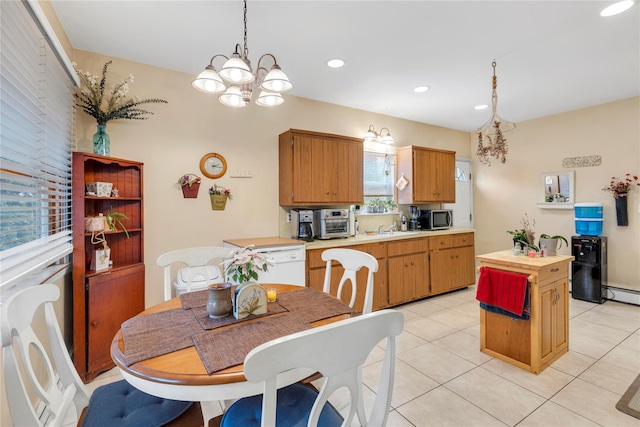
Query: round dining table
[[181, 374]]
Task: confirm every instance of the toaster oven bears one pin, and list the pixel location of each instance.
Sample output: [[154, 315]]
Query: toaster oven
[[331, 223]]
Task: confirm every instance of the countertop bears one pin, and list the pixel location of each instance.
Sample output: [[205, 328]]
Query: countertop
[[264, 242], [509, 259], [397, 235]]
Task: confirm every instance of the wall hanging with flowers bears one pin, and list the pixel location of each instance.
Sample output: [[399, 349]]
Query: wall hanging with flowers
[[219, 196], [190, 184], [108, 104], [620, 189]]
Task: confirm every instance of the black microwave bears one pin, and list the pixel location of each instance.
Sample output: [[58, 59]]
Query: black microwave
[[440, 219]]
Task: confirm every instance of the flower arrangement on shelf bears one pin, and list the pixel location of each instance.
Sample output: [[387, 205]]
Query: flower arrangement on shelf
[[245, 264], [621, 187], [105, 105], [217, 190], [189, 179]]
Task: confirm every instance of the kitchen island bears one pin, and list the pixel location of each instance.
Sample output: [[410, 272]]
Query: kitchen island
[[535, 343]]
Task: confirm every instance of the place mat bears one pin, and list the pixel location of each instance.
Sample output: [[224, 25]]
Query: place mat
[[206, 322], [194, 299], [222, 348], [156, 334], [310, 305]]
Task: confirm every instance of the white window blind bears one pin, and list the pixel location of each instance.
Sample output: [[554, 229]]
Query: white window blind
[[35, 143], [378, 175]]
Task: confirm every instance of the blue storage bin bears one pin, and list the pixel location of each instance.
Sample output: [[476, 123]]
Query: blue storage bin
[[588, 210], [589, 226]]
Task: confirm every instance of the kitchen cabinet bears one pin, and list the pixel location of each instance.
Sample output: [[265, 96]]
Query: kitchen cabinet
[[316, 270], [451, 260], [319, 169], [536, 343], [408, 270], [103, 299], [430, 173]]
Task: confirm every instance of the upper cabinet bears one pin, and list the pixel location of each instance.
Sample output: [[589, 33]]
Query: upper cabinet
[[320, 169], [430, 173]]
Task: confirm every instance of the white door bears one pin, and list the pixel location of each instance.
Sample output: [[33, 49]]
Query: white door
[[463, 207]]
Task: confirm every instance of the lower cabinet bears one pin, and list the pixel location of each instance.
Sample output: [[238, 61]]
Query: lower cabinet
[[316, 271], [553, 315], [112, 298], [452, 262], [408, 269]]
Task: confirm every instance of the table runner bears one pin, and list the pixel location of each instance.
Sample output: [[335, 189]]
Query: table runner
[[164, 332], [208, 323]]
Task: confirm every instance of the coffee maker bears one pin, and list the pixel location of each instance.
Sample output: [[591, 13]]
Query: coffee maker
[[414, 214], [302, 224]]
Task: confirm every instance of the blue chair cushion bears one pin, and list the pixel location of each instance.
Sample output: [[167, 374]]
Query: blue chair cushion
[[294, 405], [120, 404]]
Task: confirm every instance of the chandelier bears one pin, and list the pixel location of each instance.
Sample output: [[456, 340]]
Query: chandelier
[[236, 79], [373, 136], [492, 131]]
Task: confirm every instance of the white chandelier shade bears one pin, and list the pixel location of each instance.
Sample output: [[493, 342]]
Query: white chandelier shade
[[236, 78]]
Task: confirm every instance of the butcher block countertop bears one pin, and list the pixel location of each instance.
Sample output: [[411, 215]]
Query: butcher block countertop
[[264, 242]]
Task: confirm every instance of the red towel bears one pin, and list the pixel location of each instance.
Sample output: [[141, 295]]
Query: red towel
[[502, 289]]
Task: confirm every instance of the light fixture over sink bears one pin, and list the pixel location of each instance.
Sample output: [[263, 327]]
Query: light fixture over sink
[[373, 136], [236, 78]]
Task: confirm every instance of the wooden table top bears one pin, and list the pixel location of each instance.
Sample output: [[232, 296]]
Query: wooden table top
[[184, 367]]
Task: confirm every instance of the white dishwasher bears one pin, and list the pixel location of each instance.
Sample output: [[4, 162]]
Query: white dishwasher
[[288, 255]]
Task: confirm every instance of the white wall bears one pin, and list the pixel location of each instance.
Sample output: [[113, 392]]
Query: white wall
[[503, 193]]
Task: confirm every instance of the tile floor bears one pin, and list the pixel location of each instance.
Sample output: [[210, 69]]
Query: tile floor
[[442, 378]]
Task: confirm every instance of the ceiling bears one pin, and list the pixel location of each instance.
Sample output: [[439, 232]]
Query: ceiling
[[552, 56]]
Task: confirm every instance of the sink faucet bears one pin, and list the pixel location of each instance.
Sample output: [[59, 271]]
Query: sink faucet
[[389, 229]]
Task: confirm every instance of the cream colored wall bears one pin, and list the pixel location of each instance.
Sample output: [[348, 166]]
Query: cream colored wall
[[175, 138], [503, 193]]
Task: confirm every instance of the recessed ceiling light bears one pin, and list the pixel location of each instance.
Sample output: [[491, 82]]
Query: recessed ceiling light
[[421, 89], [616, 8], [335, 63], [481, 107]]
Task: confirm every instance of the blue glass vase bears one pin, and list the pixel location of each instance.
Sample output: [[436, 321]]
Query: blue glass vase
[[101, 142]]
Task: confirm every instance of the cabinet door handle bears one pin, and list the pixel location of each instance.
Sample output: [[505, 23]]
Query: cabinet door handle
[[555, 270], [326, 192], [95, 323]]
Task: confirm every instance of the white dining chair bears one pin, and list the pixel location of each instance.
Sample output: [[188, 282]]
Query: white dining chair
[[45, 392], [337, 351], [352, 261], [198, 266]]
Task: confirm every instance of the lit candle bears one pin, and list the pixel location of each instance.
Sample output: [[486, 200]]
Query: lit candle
[[271, 295]]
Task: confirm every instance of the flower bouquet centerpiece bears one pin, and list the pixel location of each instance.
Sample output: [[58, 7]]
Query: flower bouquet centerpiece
[[108, 104], [219, 196], [243, 265], [620, 189], [190, 184]]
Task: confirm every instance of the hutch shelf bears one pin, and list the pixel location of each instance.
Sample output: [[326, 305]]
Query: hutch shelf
[[103, 299]]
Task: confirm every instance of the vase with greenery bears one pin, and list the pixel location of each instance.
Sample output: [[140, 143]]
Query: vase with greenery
[[105, 104], [550, 243], [620, 189], [525, 236]]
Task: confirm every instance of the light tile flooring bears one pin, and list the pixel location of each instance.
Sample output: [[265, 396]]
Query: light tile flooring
[[442, 378]]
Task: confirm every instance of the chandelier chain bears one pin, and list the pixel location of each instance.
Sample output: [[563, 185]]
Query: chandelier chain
[[246, 49]]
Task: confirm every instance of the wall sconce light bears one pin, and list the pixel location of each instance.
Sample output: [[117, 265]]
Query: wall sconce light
[[384, 136]]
